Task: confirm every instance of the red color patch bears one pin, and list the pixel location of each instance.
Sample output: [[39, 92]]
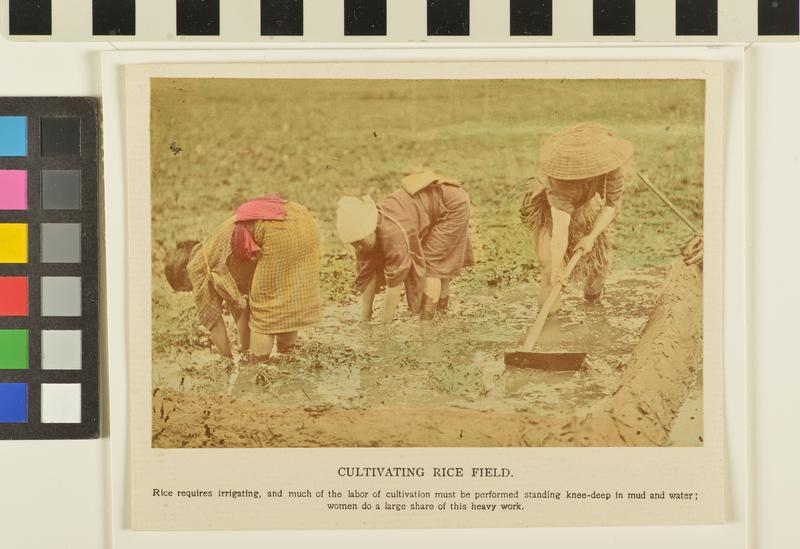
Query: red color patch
[[13, 296]]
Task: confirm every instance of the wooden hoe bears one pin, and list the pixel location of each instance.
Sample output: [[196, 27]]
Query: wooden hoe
[[554, 362]]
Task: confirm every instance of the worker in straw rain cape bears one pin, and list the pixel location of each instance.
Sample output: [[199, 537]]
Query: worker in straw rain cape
[[263, 263], [573, 204], [417, 237]]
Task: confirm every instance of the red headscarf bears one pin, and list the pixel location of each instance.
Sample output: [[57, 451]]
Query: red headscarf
[[266, 208]]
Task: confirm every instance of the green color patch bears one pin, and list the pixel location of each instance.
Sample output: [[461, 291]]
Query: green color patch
[[13, 349]]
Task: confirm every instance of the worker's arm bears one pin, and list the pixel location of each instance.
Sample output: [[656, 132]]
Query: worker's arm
[[559, 238], [693, 251], [219, 335], [601, 223], [243, 326], [612, 194], [391, 301], [367, 299]]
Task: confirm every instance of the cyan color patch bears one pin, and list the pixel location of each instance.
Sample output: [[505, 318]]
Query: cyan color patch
[[13, 402], [13, 136]]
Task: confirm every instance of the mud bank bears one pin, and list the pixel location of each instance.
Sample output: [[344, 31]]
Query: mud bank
[[659, 377]]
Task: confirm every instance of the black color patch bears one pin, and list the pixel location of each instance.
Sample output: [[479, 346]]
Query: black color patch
[[696, 17], [61, 136], [30, 17], [531, 17], [778, 17], [614, 18], [198, 18], [114, 17], [448, 17], [365, 17], [281, 17]]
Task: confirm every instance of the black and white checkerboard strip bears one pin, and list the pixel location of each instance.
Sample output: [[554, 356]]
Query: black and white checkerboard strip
[[402, 20]]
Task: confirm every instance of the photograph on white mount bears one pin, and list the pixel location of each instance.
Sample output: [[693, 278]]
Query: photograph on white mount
[[429, 259]]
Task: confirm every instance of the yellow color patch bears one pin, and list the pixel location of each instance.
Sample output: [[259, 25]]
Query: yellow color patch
[[13, 243]]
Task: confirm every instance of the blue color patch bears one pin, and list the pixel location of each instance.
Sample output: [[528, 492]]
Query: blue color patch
[[13, 402], [13, 136]]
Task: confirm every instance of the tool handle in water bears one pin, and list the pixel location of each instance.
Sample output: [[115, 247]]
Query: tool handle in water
[[538, 325], [669, 203]]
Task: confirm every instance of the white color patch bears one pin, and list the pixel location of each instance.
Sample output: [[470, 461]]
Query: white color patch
[[61, 402]]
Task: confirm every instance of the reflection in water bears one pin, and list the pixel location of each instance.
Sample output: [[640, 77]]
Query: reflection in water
[[459, 363]]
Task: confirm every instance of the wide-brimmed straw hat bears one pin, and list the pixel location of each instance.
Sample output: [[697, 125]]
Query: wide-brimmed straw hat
[[584, 150], [356, 218]]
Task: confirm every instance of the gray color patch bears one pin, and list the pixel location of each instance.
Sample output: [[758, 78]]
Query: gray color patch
[[61, 350], [61, 189], [61, 296], [61, 243]]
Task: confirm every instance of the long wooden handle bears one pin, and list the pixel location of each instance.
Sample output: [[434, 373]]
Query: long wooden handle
[[535, 330], [668, 202]]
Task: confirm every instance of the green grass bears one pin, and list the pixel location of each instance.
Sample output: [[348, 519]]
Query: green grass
[[314, 141]]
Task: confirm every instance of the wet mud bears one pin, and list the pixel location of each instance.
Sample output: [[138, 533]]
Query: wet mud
[[445, 386]]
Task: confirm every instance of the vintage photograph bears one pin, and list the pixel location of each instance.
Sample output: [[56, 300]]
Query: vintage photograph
[[426, 263]]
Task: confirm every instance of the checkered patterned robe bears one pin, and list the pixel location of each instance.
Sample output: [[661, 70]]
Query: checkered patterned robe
[[282, 284]]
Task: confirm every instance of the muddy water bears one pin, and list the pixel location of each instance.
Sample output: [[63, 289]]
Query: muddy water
[[456, 364]]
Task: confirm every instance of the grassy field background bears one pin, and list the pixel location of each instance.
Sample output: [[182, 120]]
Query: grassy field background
[[316, 140]]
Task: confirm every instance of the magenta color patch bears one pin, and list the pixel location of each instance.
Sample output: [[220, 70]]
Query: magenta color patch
[[13, 190]]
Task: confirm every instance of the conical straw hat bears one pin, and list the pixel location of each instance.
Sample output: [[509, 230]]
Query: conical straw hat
[[581, 151]]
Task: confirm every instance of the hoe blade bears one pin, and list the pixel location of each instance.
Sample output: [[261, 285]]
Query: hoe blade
[[553, 362]]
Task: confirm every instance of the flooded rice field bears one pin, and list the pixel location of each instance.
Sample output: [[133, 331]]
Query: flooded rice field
[[314, 141], [456, 367]]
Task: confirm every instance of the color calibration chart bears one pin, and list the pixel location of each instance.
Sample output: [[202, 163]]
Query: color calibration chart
[[48, 268]]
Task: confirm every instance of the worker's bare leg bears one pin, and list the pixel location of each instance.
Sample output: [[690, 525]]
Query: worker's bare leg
[[593, 287], [430, 297], [286, 341], [444, 297], [261, 345]]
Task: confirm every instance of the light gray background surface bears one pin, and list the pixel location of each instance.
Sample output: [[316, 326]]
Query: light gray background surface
[[73, 493]]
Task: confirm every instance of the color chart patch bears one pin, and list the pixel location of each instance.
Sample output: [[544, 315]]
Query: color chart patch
[[48, 268]]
